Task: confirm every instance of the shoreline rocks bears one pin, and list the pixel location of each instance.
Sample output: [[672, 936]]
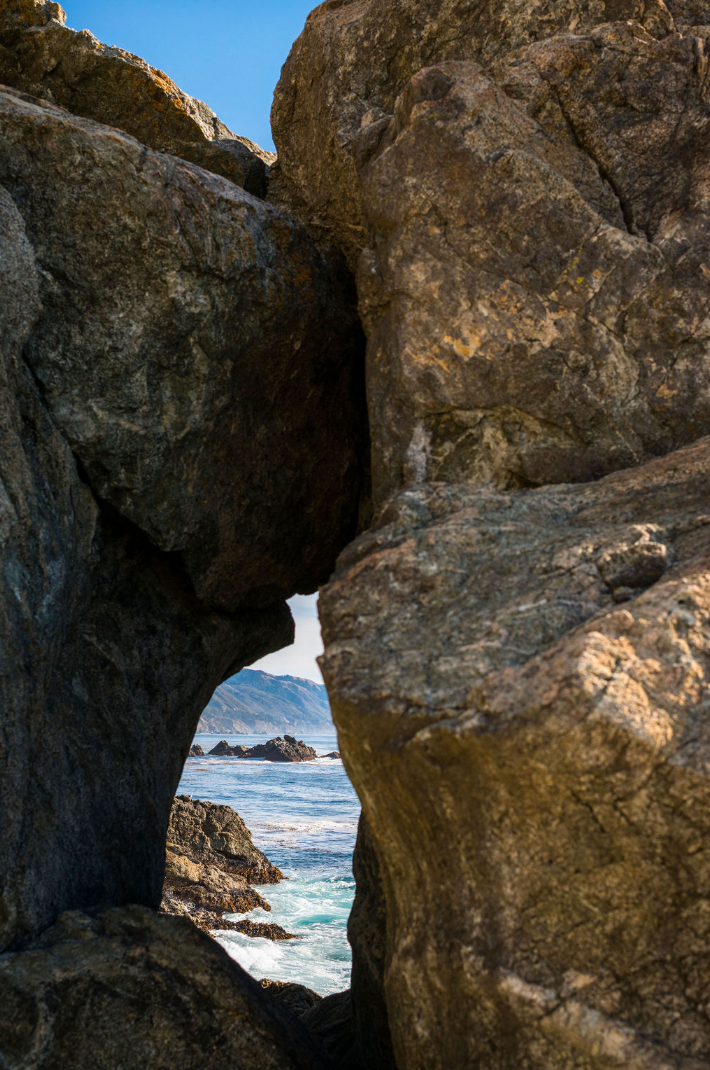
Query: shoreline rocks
[[210, 865], [279, 749]]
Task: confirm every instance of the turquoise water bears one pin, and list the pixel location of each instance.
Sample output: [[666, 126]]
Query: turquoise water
[[304, 817]]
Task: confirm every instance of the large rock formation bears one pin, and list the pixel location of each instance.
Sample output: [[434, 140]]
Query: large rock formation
[[129, 988], [42, 56], [520, 685], [534, 283], [180, 447]]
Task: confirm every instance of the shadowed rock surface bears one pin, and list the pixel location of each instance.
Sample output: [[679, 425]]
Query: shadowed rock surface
[[297, 998], [42, 56], [128, 988], [155, 325], [520, 686]]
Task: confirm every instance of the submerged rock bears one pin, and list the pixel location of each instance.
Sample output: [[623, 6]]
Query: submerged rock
[[42, 56], [130, 988], [519, 682]]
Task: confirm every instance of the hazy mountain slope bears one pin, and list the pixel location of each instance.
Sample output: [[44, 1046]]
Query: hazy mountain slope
[[254, 701]]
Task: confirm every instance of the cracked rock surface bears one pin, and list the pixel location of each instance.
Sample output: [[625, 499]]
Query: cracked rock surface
[[520, 686]]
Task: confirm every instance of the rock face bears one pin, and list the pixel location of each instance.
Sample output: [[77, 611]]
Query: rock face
[[519, 682], [132, 989], [288, 749], [531, 283], [42, 56], [179, 444], [210, 865]]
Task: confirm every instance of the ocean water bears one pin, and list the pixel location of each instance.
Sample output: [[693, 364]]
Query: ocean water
[[304, 817]]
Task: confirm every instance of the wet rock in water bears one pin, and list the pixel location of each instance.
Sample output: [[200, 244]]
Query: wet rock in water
[[331, 754], [532, 759], [223, 749], [153, 329], [210, 863], [288, 749], [205, 830], [266, 930], [40, 55], [195, 751], [130, 988], [297, 998]]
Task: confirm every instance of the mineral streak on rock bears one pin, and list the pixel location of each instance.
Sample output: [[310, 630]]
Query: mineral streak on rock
[[42, 56], [532, 757], [130, 988]]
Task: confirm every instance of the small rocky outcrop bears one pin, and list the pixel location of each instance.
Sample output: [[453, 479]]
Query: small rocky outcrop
[[331, 754], [42, 56], [223, 749], [286, 749], [130, 988], [521, 744], [195, 751], [210, 865]]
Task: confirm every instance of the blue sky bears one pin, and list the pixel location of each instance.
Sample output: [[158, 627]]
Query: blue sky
[[228, 54], [299, 659]]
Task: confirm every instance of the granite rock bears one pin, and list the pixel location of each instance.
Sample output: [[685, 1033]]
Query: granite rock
[[128, 988], [520, 685], [339, 86], [173, 353], [42, 56], [533, 292]]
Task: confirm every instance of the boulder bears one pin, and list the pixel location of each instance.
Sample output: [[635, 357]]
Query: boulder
[[42, 56], [173, 353], [519, 681], [195, 751], [130, 988], [532, 291], [297, 998], [339, 85], [206, 831]]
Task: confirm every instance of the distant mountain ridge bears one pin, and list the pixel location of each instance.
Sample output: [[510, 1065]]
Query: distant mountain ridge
[[254, 701]]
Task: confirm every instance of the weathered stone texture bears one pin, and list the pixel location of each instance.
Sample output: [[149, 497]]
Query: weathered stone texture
[[339, 85], [536, 289], [196, 351], [520, 686], [179, 432], [42, 56], [131, 989]]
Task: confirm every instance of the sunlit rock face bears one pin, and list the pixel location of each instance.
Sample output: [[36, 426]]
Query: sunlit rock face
[[181, 451], [520, 686], [41, 55]]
